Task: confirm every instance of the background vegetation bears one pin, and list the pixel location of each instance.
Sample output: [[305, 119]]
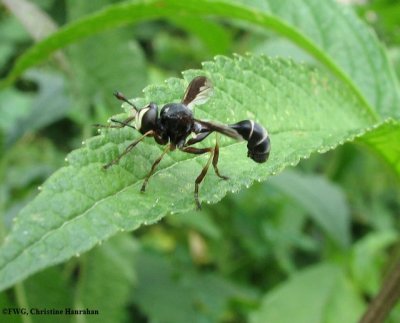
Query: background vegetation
[[310, 244]]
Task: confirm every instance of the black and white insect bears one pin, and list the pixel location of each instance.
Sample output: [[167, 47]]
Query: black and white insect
[[176, 122]]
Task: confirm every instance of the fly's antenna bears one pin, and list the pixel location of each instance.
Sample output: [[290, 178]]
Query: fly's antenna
[[122, 123], [122, 97]]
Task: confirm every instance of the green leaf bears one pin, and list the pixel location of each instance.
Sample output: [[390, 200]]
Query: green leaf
[[43, 291], [50, 104], [318, 294], [331, 33], [204, 224], [81, 204], [215, 38], [20, 103], [339, 39], [97, 65], [163, 286], [7, 302], [31, 112], [324, 202], [106, 279], [368, 259], [384, 140], [97, 78]]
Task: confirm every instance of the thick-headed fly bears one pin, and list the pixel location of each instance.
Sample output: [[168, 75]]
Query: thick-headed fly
[[176, 123]]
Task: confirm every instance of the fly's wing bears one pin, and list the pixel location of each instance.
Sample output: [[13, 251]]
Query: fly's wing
[[198, 92], [210, 126]]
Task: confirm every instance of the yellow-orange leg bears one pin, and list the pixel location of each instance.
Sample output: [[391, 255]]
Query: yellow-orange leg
[[215, 160], [128, 149], [214, 153], [153, 167]]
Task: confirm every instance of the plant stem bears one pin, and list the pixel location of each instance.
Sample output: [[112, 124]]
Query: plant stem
[[22, 301], [386, 299]]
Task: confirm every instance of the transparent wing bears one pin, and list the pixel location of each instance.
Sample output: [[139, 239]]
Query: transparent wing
[[210, 126], [198, 92]]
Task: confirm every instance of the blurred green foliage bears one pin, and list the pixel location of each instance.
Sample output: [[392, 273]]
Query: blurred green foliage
[[314, 242]]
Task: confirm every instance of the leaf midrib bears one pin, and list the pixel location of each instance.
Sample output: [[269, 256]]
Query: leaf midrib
[[137, 182]]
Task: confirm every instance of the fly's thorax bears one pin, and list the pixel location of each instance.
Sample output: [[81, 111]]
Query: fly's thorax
[[177, 121], [146, 118]]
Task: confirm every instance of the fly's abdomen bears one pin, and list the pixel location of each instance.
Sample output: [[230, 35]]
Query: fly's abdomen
[[258, 141]]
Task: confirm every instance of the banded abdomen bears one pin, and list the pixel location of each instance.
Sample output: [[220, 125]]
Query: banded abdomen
[[258, 142]]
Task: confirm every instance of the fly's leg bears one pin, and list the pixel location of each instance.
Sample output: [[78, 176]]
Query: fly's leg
[[128, 149], [199, 179], [153, 168], [215, 160]]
